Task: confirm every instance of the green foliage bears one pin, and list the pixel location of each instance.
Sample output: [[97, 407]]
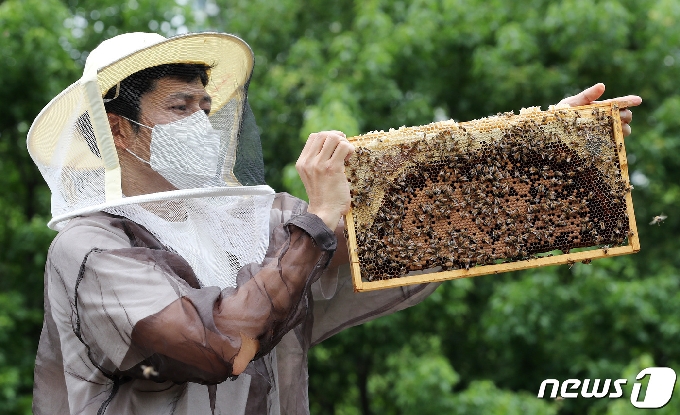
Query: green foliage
[[483, 398], [427, 371], [479, 346], [34, 69], [17, 341]]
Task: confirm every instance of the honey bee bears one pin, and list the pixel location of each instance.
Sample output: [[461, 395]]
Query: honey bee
[[658, 219]]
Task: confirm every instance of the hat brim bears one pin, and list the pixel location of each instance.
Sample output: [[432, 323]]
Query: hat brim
[[230, 57]]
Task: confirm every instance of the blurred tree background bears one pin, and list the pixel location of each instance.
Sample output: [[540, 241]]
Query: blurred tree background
[[476, 346]]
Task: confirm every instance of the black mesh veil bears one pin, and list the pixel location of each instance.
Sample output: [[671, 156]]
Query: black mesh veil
[[249, 165]]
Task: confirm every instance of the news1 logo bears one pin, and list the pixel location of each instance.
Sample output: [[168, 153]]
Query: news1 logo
[[658, 393]]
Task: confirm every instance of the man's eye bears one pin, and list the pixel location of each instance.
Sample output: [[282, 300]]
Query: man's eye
[[180, 107]]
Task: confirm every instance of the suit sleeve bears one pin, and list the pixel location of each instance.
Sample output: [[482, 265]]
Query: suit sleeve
[[137, 307]]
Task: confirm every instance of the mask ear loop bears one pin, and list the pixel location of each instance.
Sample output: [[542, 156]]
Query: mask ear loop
[[126, 149], [138, 123], [137, 157], [107, 100]]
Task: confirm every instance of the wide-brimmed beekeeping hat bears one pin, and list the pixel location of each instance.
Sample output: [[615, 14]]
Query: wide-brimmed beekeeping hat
[[217, 226], [71, 142]]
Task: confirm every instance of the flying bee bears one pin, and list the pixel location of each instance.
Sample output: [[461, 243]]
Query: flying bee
[[658, 219]]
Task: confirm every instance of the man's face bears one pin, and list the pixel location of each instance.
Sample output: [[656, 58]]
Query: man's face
[[171, 100]]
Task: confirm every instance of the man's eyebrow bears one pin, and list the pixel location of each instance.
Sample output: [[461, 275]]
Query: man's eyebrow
[[185, 96]]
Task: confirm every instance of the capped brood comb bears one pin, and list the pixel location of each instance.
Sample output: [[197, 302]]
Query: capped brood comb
[[497, 194]]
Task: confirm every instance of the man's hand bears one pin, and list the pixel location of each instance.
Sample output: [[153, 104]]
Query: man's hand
[[588, 96], [321, 167]]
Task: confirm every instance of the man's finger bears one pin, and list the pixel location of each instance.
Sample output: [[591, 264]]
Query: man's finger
[[586, 96], [313, 145], [625, 129], [311, 148], [626, 116], [342, 152], [338, 132], [626, 102], [331, 141]]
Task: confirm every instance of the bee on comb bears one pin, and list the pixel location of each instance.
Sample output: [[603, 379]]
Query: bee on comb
[[497, 194]]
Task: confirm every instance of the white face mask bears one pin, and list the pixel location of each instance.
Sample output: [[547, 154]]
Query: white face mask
[[184, 152]]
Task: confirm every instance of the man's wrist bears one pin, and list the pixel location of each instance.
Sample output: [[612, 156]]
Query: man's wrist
[[314, 226], [331, 219]]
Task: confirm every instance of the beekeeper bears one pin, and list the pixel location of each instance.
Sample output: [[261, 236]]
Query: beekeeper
[[179, 282]]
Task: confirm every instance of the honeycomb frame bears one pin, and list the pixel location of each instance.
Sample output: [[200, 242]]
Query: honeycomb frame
[[384, 159]]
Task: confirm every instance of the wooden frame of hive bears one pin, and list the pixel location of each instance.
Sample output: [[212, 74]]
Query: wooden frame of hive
[[577, 118]]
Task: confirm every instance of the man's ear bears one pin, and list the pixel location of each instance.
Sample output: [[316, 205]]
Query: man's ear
[[122, 132]]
